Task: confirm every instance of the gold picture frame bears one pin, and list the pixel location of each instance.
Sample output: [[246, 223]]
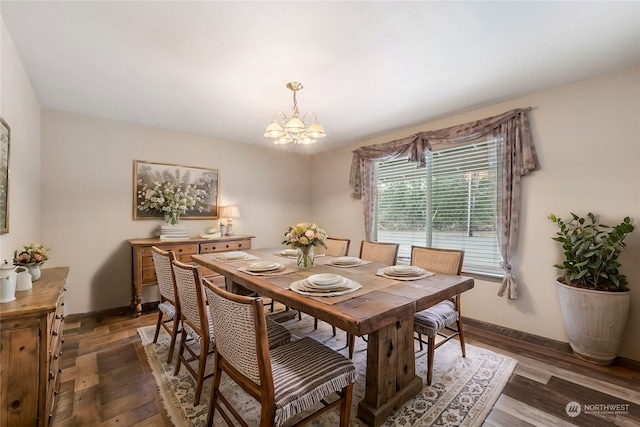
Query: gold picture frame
[[5, 140], [147, 174]]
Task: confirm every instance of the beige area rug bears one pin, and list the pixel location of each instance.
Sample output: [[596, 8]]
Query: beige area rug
[[462, 394]]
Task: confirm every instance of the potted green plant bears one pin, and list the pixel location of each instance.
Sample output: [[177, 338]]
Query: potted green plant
[[593, 294]]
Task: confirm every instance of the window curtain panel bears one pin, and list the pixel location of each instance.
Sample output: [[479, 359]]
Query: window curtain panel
[[516, 156]]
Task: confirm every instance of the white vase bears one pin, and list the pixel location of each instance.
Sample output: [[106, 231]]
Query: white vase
[[34, 270], [171, 219], [595, 321]]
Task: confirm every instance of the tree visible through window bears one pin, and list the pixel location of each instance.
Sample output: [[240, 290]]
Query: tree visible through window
[[448, 204]]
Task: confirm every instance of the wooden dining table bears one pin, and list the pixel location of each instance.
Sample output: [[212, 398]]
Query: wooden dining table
[[382, 308]]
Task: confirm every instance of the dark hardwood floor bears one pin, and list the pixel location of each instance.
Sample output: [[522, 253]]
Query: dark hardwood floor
[[106, 379]]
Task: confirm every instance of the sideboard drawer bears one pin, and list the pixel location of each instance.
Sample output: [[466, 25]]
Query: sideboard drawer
[[206, 248], [178, 249]]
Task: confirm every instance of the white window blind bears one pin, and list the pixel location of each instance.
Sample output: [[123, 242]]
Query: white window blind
[[448, 204]]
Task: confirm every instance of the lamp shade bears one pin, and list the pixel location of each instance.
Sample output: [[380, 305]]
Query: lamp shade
[[229, 212]]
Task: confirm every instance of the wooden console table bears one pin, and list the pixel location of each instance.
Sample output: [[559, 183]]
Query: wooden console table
[[144, 273], [31, 329]]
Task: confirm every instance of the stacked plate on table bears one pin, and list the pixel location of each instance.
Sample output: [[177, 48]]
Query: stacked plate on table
[[325, 285], [236, 256], [404, 271], [264, 267], [346, 261], [291, 253]]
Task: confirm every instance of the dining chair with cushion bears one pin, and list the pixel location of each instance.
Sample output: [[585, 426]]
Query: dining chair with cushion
[[380, 253], [287, 380], [169, 307], [198, 327], [443, 321], [196, 323]]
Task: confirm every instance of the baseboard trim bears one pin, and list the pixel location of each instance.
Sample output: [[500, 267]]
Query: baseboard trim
[[526, 337]]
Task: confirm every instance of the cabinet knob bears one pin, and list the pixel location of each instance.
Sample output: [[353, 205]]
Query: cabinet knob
[[51, 376], [227, 246]]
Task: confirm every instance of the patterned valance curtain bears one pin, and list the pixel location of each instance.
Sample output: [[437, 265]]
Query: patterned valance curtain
[[516, 154]]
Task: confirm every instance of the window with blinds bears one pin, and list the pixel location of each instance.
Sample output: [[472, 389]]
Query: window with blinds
[[449, 204]]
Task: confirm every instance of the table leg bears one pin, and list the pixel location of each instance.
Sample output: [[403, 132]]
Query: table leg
[[390, 374]]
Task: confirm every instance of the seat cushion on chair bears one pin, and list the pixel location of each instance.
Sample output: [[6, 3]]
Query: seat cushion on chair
[[304, 372], [194, 335], [167, 309], [434, 319], [278, 334]]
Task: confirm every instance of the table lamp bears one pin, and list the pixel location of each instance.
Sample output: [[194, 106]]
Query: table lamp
[[229, 212]]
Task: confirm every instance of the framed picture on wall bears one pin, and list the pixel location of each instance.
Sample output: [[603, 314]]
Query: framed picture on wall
[[5, 139], [157, 184]]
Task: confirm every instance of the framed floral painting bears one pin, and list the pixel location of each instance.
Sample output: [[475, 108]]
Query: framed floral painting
[[5, 139], [162, 190]]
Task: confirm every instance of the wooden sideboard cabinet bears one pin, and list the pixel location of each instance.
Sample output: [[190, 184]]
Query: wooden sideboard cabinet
[[144, 273], [31, 329]]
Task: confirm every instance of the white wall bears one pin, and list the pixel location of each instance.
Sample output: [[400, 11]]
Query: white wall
[[19, 107], [87, 196], [587, 137]]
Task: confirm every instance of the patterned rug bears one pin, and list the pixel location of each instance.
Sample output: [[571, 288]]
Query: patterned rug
[[462, 393]]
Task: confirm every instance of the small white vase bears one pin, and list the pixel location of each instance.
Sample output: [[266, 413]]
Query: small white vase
[[34, 270]]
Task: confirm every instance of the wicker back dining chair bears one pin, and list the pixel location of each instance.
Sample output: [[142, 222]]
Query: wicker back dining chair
[[169, 307], [379, 252], [196, 323], [287, 380], [337, 246], [437, 322]]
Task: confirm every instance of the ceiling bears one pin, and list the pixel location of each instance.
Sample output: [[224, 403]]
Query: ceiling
[[219, 69]]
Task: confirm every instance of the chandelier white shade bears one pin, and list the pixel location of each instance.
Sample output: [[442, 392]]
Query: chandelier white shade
[[294, 129]]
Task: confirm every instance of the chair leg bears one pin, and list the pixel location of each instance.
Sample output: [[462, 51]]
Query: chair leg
[[461, 337], [202, 364], [155, 336], [183, 338], [431, 342], [212, 399], [333, 328], [315, 323], [345, 406], [174, 335], [420, 341]]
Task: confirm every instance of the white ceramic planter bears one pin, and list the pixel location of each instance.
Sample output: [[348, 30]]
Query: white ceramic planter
[[595, 321]]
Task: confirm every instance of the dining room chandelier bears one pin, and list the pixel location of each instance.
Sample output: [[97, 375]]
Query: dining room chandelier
[[294, 129]]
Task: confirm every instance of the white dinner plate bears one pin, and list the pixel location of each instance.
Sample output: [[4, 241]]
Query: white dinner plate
[[324, 279], [262, 266], [300, 288], [346, 260], [332, 286], [235, 255], [404, 271]]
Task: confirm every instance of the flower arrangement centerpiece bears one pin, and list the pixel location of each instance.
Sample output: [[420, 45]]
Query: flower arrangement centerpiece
[[32, 257], [304, 237], [171, 198]]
